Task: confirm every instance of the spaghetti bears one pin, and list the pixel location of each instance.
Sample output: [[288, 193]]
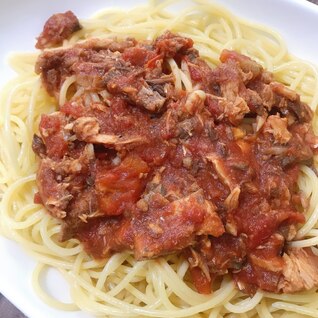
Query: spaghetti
[[121, 286]]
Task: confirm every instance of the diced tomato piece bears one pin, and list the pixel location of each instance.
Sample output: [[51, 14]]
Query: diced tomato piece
[[52, 134], [72, 109], [37, 198], [259, 228], [120, 187], [200, 281], [138, 56]]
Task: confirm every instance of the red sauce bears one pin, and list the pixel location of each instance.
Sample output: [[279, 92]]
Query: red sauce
[[157, 171]]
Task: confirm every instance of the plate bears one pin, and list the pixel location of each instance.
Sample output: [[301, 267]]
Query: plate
[[21, 21]]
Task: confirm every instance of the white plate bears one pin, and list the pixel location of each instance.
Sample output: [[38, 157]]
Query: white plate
[[21, 21]]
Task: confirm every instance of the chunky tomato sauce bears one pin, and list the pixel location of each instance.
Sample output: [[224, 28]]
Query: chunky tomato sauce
[[131, 162]]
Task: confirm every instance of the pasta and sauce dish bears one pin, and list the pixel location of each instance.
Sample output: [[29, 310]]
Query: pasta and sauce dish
[[165, 165]]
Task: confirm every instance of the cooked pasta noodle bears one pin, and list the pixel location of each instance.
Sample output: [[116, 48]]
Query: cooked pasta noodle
[[120, 286]]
